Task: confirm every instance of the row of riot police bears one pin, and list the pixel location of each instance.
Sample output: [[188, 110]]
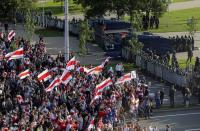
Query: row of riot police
[[182, 43], [166, 60]]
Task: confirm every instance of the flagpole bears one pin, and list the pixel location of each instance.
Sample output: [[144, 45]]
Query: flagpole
[[66, 41]]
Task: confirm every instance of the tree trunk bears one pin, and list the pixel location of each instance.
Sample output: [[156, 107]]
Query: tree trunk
[[131, 16]]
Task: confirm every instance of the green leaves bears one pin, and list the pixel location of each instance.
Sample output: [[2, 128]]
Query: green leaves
[[8, 8], [29, 25], [83, 37], [192, 26], [134, 46]]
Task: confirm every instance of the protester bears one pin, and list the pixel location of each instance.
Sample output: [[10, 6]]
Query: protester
[[172, 91], [39, 92]]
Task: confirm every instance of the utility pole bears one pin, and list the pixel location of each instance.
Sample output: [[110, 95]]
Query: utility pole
[[66, 31], [43, 14]]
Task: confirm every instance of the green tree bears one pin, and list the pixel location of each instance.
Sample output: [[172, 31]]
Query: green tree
[[118, 7], [134, 46], [29, 25], [192, 26], [154, 7], [84, 36], [9, 7]]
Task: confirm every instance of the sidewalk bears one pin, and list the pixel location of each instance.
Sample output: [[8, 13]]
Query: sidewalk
[[157, 86], [184, 5], [56, 44]]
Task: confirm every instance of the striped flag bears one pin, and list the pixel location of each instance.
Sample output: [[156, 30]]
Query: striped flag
[[15, 54], [106, 61], [96, 96], [44, 76], [11, 34], [66, 77], [24, 74], [82, 69], [100, 87], [91, 126], [54, 83], [127, 77], [71, 64], [96, 70]]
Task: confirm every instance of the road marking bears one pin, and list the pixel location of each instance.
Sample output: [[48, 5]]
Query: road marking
[[193, 129], [177, 115]]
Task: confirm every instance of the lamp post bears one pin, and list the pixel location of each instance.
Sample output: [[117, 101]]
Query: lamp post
[[43, 23], [66, 41]]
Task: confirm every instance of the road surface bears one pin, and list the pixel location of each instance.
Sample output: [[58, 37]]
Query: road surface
[[179, 120]]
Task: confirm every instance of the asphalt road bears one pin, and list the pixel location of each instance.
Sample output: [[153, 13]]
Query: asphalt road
[[179, 120]]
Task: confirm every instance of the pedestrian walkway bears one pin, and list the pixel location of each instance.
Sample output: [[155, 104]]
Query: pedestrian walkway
[[56, 44], [184, 5]]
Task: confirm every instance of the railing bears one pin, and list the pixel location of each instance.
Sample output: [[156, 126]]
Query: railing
[[174, 76]]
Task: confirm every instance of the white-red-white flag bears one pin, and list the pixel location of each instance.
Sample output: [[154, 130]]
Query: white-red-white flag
[[11, 34], [127, 77], [24, 74], [54, 83], [96, 70], [100, 87], [106, 61], [71, 64], [19, 98], [44, 76], [15, 54], [66, 77], [96, 96], [82, 69], [91, 126]]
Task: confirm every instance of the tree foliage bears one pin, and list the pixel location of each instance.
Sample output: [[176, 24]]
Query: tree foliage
[[134, 46], [9, 7], [98, 8], [83, 36], [29, 25], [192, 26]]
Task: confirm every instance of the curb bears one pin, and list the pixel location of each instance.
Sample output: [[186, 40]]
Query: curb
[[194, 107]]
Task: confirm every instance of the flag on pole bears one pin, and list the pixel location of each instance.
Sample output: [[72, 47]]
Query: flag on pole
[[100, 87], [71, 64], [44, 76], [15, 54], [96, 96], [96, 70], [11, 34], [54, 83], [127, 77], [82, 69], [66, 77], [106, 61], [91, 126], [24, 74]]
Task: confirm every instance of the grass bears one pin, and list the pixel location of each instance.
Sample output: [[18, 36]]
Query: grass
[[175, 1], [49, 32], [176, 21], [182, 63], [57, 9]]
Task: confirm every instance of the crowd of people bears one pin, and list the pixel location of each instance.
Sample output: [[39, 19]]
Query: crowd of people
[[28, 103], [182, 43], [152, 22]]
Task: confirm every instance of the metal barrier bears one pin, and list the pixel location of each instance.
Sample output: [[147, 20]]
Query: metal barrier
[[161, 71]]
